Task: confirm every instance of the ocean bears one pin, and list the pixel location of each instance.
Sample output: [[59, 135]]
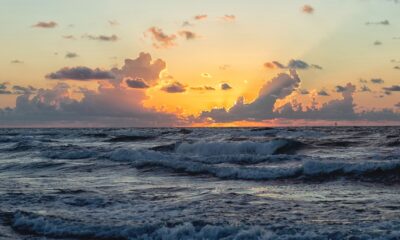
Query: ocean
[[200, 183]]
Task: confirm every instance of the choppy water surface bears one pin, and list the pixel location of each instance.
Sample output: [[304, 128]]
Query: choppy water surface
[[242, 183]]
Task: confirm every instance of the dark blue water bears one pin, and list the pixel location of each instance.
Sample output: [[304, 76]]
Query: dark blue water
[[241, 183]]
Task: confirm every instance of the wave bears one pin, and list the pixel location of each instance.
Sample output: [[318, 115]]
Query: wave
[[126, 138], [228, 166], [203, 148], [27, 223]]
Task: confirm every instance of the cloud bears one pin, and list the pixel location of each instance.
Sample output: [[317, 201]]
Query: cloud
[[378, 43], [229, 18], [397, 67], [80, 74], [397, 105], [24, 90], [69, 37], [204, 88], [323, 93], [292, 64], [307, 9], [384, 22], [50, 24], [71, 55], [304, 91], [106, 107], [102, 38], [4, 85], [364, 88], [174, 87], [200, 17], [160, 39], [394, 88], [363, 81], [113, 23], [262, 107], [224, 67], [341, 89], [5, 92], [143, 67], [16, 61], [377, 81], [136, 83], [188, 35], [225, 86], [206, 75]]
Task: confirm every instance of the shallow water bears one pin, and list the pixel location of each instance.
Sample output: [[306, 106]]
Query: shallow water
[[241, 183]]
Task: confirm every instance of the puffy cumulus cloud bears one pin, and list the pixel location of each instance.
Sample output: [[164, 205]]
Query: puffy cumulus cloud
[[203, 88], [200, 17], [188, 35], [113, 107], [377, 81], [225, 86], [283, 85], [394, 88], [383, 22], [143, 67], [262, 107], [292, 64], [71, 55], [102, 38], [136, 83], [80, 74], [307, 9], [174, 87], [229, 18], [50, 24], [160, 39]]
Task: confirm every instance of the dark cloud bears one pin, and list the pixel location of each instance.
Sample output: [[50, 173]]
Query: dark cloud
[[174, 87], [394, 88], [188, 35], [304, 91], [225, 86], [80, 73], [50, 24], [341, 89], [204, 88], [200, 17], [364, 88], [160, 39], [292, 64], [5, 92], [71, 55], [397, 67], [20, 90], [323, 93], [377, 80], [384, 22], [136, 83], [16, 61], [102, 38], [4, 85], [308, 9], [397, 105], [378, 43]]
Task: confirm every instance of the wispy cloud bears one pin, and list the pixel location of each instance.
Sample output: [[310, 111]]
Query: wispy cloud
[[102, 38], [50, 24], [160, 39]]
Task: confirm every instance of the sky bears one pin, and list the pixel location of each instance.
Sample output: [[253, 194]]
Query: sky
[[154, 63]]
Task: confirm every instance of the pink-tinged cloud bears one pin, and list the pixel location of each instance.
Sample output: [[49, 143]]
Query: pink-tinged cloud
[[160, 39], [50, 24], [308, 9], [229, 18], [200, 17]]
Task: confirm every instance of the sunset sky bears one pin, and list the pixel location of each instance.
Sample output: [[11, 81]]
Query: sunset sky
[[199, 62]]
